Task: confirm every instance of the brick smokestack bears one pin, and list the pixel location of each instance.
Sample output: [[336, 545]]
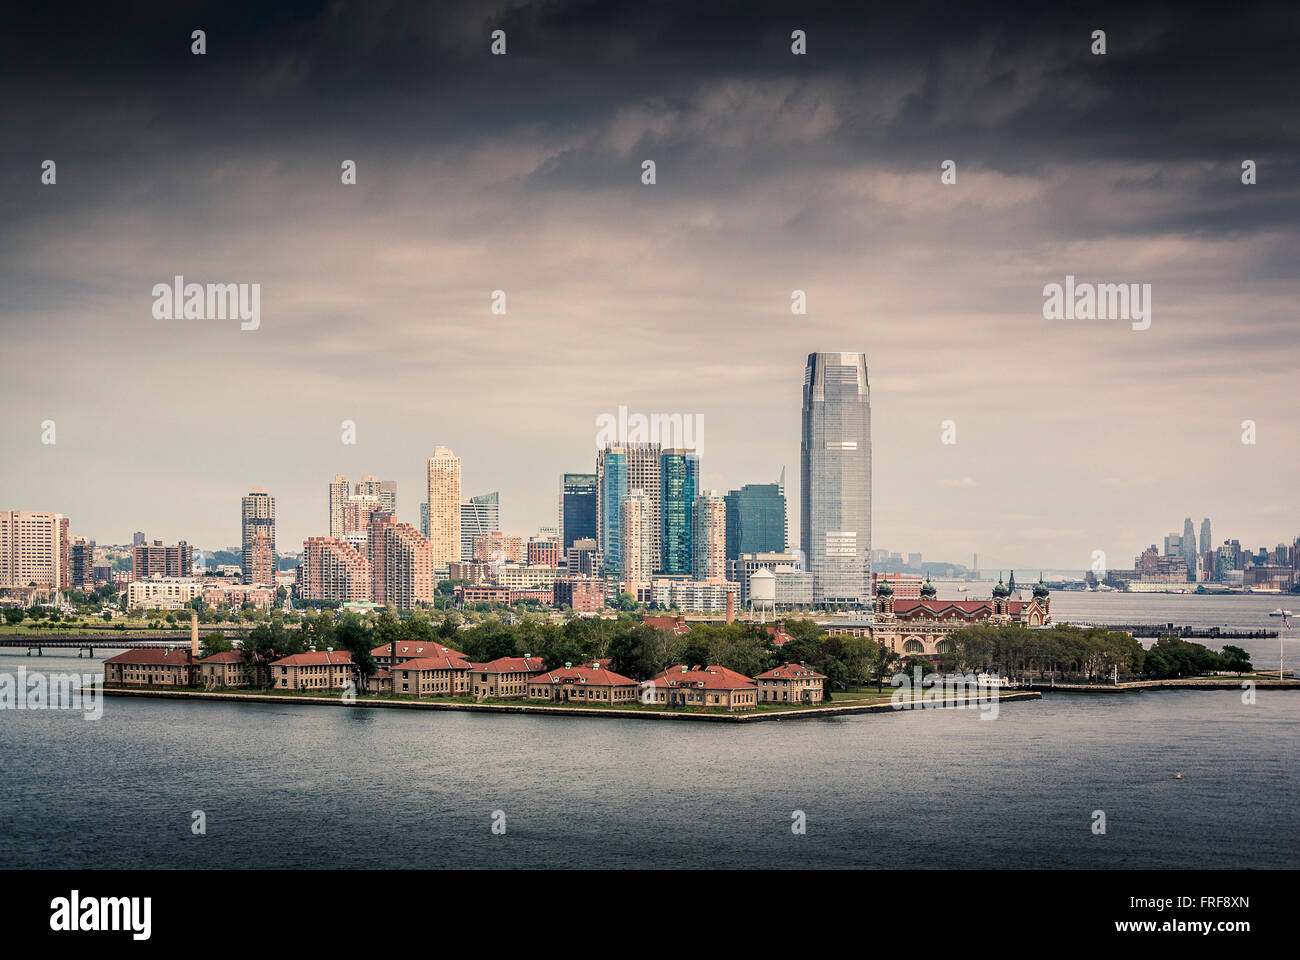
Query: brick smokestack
[[194, 634], [731, 607]]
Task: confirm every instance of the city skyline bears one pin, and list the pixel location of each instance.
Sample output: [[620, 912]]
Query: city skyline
[[776, 174]]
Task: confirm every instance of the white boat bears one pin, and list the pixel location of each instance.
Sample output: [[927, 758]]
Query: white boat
[[1279, 612]]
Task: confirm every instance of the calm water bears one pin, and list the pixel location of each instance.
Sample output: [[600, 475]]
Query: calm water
[[297, 786]]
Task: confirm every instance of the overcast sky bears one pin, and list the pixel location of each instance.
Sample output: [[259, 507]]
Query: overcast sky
[[775, 172]]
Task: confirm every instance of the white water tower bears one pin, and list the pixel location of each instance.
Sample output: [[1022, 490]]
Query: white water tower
[[762, 594]]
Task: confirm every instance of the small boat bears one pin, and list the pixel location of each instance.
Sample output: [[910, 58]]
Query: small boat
[[1279, 612], [1178, 776]]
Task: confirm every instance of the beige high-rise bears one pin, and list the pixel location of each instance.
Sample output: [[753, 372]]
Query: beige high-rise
[[338, 497], [638, 539], [709, 537], [444, 506], [34, 549], [258, 522]]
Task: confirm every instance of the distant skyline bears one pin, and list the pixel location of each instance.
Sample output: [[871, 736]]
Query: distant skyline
[[775, 173]]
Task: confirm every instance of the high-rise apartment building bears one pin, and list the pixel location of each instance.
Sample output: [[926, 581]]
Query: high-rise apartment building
[[350, 509], [679, 484], [377, 554], [83, 564], [611, 489], [444, 506], [338, 497], [409, 572], [619, 470], [257, 521], [479, 516], [357, 511], [756, 519], [577, 508], [335, 571], [709, 537], [637, 536], [35, 550], [1207, 541], [155, 560], [388, 495], [835, 473]]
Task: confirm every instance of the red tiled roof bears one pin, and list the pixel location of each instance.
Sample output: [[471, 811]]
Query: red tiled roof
[[417, 650], [434, 663], [511, 665], [228, 656], [154, 656], [595, 676], [676, 624], [779, 637], [314, 658], [791, 671], [710, 678]]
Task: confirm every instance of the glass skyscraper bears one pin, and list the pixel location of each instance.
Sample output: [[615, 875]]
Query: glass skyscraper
[[479, 516], [611, 488], [679, 482], [835, 474], [577, 508], [755, 520]]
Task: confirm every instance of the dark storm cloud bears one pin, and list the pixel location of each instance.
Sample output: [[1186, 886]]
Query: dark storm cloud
[[775, 172]]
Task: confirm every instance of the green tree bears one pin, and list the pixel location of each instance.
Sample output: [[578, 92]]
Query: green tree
[[1237, 659], [214, 643]]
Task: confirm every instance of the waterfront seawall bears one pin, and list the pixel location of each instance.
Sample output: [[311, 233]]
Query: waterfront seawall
[[568, 711]]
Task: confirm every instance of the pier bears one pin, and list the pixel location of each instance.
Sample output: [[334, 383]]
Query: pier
[[1156, 630]]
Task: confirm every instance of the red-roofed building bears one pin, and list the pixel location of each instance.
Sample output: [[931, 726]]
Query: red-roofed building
[[712, 687], [318, 670], [791, 683], [919, 628], [226, 670], [150, 667], [409, 651], [779, 637], [586, 683], [676, 624], [441, 676], [503, 678]]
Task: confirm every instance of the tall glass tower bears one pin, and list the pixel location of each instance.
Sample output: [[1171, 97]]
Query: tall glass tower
[[755, 520], [611, 488], [679, 478], [835, 470], [577, 509], [479, 516]]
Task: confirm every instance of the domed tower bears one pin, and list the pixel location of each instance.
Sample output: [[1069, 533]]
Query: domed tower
[[1001, 607], [927, 590], [1011, 584], [1044, 597], [885, 598]]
